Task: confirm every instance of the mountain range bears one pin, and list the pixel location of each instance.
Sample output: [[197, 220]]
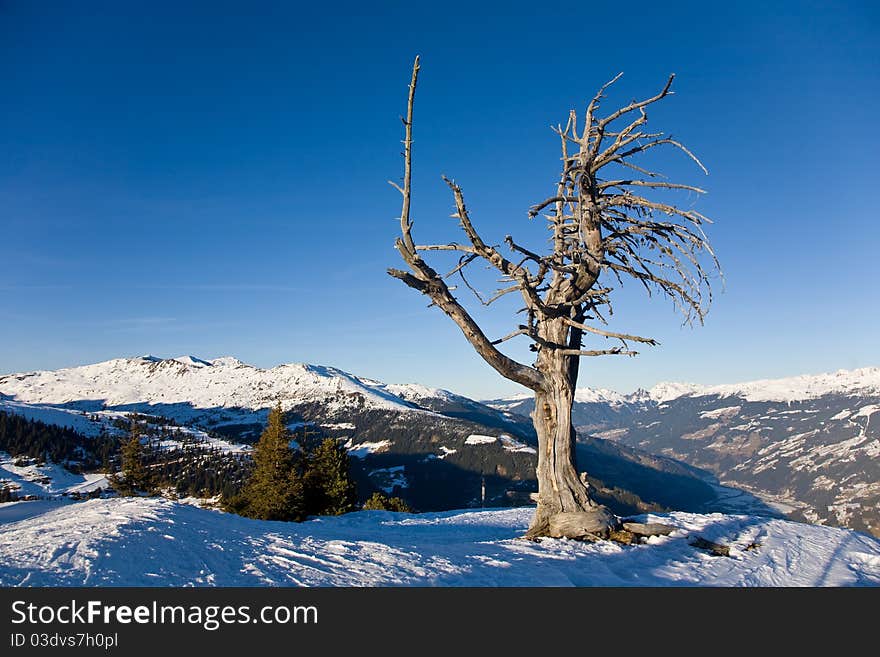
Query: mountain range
[[801, 447]]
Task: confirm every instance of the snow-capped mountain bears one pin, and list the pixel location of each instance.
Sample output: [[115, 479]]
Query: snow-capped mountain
[[399, 444], [189, 387], [431, 446], [226, 394], [806, 444], [864, 381]]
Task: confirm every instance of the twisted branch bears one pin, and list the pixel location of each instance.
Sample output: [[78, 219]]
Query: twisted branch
[[601, 226]]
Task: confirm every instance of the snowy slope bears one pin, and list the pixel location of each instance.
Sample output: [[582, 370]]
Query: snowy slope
[[156, 542], [599, 396], [87, 424], [222, 395], [45, 480], [416, 392], [230, 397]]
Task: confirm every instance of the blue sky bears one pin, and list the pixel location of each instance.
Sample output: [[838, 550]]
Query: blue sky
[[210, 178]]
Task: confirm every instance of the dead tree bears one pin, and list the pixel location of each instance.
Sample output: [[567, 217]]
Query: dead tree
[[604, 227]]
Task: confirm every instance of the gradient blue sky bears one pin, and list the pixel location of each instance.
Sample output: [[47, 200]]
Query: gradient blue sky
[[209, 178]]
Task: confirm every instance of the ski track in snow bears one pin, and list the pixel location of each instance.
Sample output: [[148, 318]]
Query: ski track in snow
[[157, 542]]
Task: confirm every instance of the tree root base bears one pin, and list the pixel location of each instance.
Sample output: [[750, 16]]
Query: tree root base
[[590, 525], [596, 525]]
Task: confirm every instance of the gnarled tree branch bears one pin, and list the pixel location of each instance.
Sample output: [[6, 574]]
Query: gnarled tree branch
[[426, 280]]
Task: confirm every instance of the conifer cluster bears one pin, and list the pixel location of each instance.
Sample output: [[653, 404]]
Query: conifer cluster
[[291, 483], [47, 443]]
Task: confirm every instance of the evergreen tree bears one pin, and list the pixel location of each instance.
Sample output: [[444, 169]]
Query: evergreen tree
[[136, 476], [381, 502], [328, 484], [274, 490]]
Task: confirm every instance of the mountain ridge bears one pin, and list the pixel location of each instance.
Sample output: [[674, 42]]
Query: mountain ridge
[[789, 388]]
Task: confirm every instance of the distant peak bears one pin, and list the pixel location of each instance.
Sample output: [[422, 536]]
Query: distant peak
[[149, 359], [515, 397], [418, 391], [192, 361], [668, 390], [227, 361], [598, 395]]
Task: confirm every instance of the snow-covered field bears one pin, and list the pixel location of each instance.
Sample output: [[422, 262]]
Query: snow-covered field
[[157, 542]]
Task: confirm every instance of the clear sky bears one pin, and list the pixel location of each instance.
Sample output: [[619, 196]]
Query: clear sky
[[210, 178]]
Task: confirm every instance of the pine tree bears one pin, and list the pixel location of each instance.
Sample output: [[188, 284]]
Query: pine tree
[[329, 487], [274, 490]]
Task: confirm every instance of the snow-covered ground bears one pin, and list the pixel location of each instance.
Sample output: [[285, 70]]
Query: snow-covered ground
[[363, 449], [45, 480], [157, 542], [87, 424]]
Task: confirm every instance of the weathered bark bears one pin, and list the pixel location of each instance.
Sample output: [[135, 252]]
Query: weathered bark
[[560, 489]]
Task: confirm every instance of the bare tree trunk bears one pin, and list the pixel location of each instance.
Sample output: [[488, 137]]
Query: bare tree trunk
[[560, 489]]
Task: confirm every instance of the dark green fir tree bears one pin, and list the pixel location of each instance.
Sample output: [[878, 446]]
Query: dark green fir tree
[[330, 490], [274, 491], [136, 477]]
